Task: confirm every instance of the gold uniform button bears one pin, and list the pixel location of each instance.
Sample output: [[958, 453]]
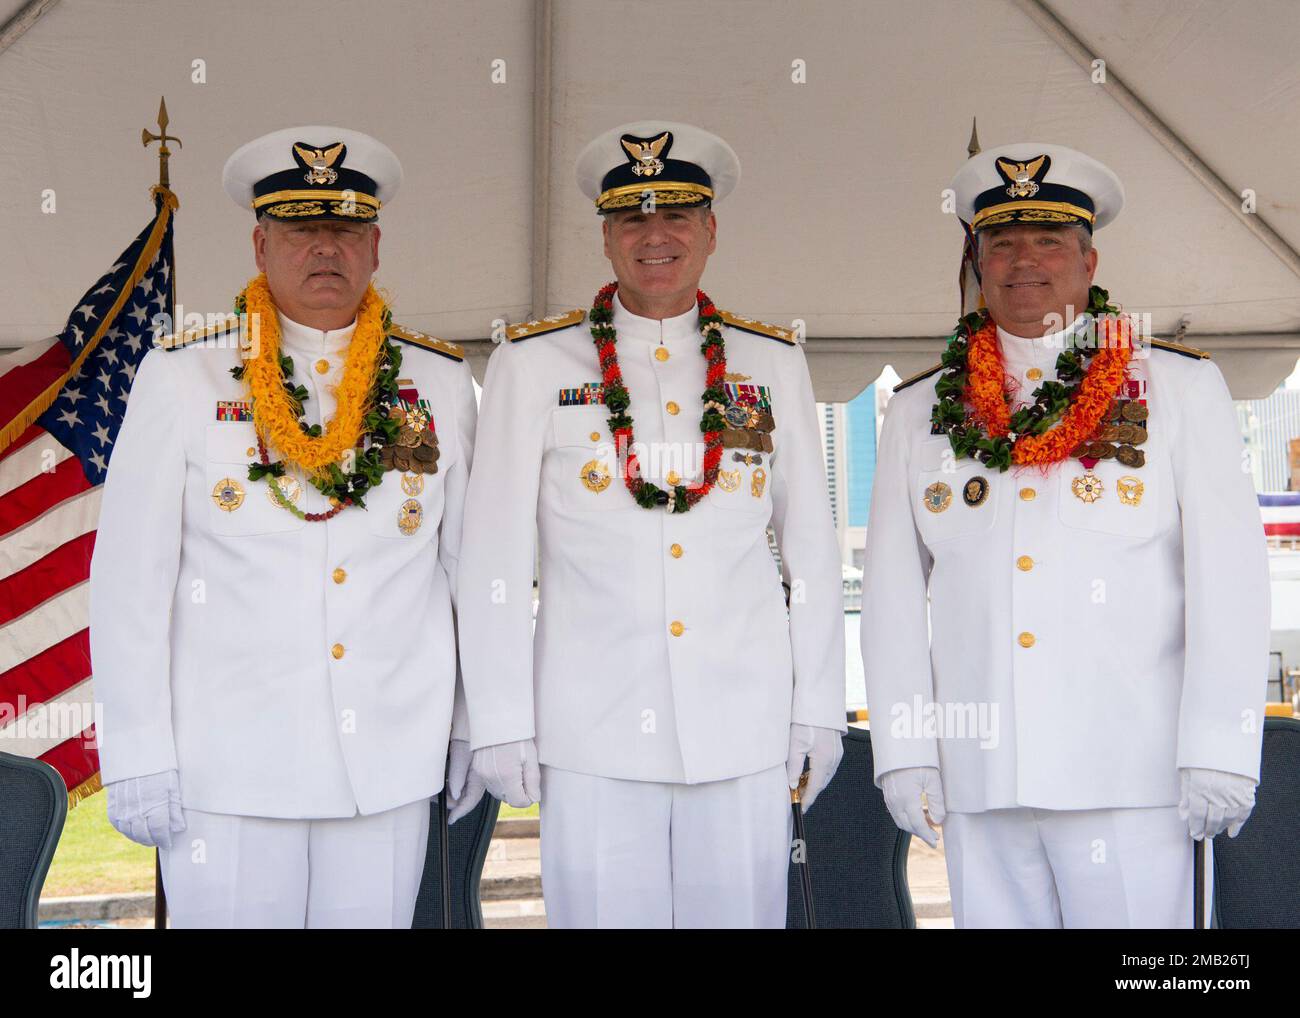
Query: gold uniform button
[[677, 629], [661, 353], [1027, 494], [674, 478], [337, 651], [1026, 639], [672, 408], [676, 550], [595, 436], [1034, 374], [250, 451], [322, 366], [340, 575], [1024, 563]]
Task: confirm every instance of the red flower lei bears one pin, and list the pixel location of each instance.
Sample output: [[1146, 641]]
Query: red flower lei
[[649, 495]]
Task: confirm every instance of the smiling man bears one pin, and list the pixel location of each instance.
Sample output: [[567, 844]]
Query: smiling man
[[670, 696], [1075, 512], [274, 578]]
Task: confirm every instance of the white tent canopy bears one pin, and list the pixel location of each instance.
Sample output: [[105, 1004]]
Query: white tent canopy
[[838, 218]]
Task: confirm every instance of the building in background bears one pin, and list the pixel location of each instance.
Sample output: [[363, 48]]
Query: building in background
[[1269, 426], [849, 446]]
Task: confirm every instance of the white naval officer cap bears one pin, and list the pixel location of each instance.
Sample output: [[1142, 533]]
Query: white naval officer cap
[[1038, 184], [309, 173], [682, 165]]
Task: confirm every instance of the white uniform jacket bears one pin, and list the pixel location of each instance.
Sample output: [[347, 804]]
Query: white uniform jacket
[[1079, 652], [286, 668], [664, 650]]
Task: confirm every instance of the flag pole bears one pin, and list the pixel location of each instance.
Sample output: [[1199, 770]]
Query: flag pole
[[161, 193]]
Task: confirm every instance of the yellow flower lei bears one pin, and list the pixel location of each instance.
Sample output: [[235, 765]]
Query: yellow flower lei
[[274, 415]]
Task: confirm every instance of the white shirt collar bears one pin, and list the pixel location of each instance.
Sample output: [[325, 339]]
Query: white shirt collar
[[303, 339], [679, 328], [1021, 352]]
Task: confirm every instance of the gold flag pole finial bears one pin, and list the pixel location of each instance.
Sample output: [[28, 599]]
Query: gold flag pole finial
[[146, 136], [973, 146]]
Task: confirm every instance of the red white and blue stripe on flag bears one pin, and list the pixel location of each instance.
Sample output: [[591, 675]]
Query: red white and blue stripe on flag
[[61, 404]]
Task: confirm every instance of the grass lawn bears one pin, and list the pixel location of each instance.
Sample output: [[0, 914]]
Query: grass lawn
[[92, 858]]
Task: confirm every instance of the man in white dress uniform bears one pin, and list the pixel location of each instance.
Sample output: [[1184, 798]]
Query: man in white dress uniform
[[670, 696], [1092, 687], [274, 578]]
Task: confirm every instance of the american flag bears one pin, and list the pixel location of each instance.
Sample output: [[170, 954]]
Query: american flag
[[61, 404], [1281, 513]]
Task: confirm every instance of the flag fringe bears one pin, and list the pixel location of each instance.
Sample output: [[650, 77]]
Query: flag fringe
[[27, 416], [84, 790]]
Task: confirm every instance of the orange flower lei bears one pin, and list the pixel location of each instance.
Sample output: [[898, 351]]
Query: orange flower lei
[[274, 415], [987, 394], [974, 410]]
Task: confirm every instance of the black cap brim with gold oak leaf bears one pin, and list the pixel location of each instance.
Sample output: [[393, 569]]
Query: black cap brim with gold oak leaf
[[314, 173]]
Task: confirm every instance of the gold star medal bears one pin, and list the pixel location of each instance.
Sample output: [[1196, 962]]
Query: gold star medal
[[228, 494], [595, 476]]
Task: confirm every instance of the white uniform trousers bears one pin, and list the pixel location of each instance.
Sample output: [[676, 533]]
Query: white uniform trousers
[[242, 872], [1027, 868], [620, 854]]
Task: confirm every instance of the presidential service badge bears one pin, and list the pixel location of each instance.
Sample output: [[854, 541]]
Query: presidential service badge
[[975, 491]]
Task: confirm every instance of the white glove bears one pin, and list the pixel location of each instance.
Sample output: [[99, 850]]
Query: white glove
[[1214, 800], [510, 772], [464, 788], [823, 747], [147, 809], [903, 789]]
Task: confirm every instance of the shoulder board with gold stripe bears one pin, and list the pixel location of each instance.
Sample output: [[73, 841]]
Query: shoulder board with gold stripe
[[180, 339], [1186, 351], [757, 328], [920, 375], [428, 342], [522, 330]]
